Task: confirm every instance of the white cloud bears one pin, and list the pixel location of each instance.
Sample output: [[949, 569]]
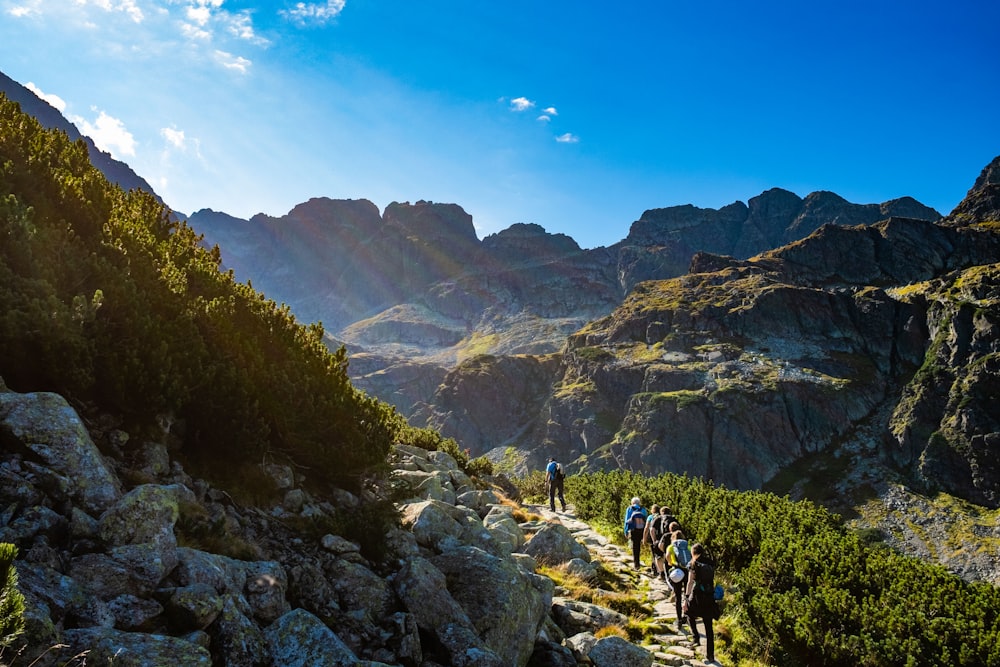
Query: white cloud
[[174, 137], [568, 138], [57, 102], [178, 140], [545, 118], [194, 32], [199, 14], [127, 7], [241, 27], [25, 9], [229, 61], [521, 104], [550, 111], [305, 13], [109, 134]]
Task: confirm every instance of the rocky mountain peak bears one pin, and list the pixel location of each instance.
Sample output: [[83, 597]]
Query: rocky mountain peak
[[430, 222], [521, 242], [982, 202]]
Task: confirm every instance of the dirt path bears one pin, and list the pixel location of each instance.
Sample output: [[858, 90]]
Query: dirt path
[[672, 647]]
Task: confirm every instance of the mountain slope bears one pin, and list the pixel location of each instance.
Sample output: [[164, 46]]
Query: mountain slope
[[741, 368], [114, 170]]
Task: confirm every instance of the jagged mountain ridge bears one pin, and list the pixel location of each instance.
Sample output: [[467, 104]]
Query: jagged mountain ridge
[[882, 337], [414, 287]]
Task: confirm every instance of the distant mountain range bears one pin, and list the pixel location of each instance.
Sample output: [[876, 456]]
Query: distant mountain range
[[809, 346]]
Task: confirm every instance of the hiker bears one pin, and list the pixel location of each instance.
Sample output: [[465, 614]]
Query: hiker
[[554, 478], [659, 523], [699, 600], [678, 558], [650, 536], [635, 525]]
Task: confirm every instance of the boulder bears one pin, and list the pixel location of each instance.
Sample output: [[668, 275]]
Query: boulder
[[613, 651], [574, 617], [107, 646], [423, 591], [134, 614], [265, 590], [507, 605], [554, 544], [193, 607], [299, 639], [224, 574], [237, 637], [48, 426], [147, 513], [504, 529]]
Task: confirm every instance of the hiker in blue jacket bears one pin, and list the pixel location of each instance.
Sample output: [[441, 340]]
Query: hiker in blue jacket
[[635, 524], [554, 477]]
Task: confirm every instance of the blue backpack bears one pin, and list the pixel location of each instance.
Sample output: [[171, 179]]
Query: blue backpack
[[683, 552]]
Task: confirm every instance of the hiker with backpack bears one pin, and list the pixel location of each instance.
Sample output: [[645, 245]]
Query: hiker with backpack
[[699, 600], [635, 527], [554, 478], [654, 531], [678, 558], [660, 527]]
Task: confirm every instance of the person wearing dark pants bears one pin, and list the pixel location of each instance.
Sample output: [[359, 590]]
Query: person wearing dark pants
[[677, 559], [554, 477], [635, 525], [699, 601]]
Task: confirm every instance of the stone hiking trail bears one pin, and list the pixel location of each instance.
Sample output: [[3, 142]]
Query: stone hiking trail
[[671, 647]]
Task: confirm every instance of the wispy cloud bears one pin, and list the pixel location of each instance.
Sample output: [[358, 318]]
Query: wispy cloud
[[521, 104], [109, 134], [178, 140], [25, 9], [568, 138], [57, 102], [314, 13], [547, 114], [232, 62], [202, 18]]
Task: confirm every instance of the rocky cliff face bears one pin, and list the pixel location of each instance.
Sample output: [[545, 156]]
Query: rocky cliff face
[[414, 290], [879, 337]]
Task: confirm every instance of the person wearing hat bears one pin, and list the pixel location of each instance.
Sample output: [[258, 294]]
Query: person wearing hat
[[635, 526], [554, 480]]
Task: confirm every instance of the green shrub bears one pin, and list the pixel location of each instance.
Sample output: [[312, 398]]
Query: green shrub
[[807, 591], [11, 600]]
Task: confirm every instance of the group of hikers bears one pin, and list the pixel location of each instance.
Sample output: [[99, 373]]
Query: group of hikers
[[689, 569]]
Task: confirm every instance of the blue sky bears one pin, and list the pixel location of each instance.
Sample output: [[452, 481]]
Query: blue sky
[[577, 116]]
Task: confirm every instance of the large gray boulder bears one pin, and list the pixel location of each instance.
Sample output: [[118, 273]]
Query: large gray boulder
[[613, 651], [225, 574], [554, 544], [133, 649], [299, 639], [423, 591], [439, 526], [237, 637], [506, 604], [575, 617], [504, 528], [50, 428]]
